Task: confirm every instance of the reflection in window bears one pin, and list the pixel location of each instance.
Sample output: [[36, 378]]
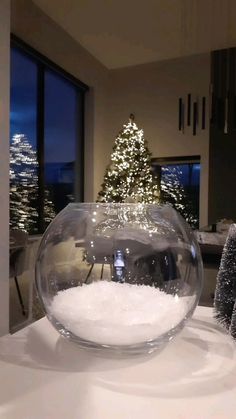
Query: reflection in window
[[180, 186], [45, 141], [23, 153]]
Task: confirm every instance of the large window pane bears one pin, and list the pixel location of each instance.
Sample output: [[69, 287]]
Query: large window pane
[[46, 143], [183, 187], [180, 185], [23, 150], [61, 139]]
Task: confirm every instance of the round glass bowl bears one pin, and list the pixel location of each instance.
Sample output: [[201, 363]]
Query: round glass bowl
[[119, 277]]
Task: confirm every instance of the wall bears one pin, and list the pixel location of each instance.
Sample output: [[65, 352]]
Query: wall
[[35, 28], [4, 165], [151, 92], [166, 29]]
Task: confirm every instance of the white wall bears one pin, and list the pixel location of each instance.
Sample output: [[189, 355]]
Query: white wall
[[151, 92], [4, 164]]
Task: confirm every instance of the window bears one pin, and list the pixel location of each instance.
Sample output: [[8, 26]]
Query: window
[[60, 138], [180, 185], [46, 139]]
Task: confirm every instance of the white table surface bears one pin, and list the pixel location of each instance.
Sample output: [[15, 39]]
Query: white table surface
[[42, 376]]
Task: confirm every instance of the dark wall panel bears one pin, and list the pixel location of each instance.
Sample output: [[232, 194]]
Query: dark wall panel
[[222, 152]]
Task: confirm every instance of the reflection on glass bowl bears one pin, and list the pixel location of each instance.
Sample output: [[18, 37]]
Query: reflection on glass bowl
[[119, 277]]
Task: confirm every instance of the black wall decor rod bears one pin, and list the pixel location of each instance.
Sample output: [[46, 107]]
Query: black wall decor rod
[[203, 112], [189, 110], [194, 118], [183, 116], [180, 113], [195, 114], [226, 105]]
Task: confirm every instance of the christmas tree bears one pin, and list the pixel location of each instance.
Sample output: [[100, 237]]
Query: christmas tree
[[24, 187], [129, 176], [225, 294]]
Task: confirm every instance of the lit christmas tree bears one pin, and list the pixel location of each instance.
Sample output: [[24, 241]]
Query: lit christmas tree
[[24, 187], [129, 177]]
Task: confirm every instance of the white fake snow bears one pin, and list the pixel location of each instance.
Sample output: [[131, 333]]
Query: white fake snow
[[117, 314]]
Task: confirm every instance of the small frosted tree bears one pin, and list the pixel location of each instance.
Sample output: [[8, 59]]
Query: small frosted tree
[[24, 187], [225, 294], [233, 322]]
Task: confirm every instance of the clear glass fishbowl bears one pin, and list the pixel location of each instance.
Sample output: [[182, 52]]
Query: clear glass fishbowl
[[122, 278]]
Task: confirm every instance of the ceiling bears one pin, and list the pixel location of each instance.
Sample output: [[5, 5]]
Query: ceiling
[[123, 33]]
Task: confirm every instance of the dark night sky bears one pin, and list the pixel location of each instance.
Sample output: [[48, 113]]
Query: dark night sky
[[60, 109]]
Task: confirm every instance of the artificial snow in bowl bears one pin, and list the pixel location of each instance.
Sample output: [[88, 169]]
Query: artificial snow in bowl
[[119, 277]]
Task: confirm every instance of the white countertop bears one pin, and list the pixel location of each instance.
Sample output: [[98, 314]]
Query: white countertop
[[43, 376]]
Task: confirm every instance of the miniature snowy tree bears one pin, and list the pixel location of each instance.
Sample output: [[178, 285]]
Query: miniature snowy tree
[[233, 322], [225, 294], [129, 176], [24, 187]]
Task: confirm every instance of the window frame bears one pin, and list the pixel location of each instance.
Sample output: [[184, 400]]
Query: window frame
[[43, 64], [176, 160], [162, 161]]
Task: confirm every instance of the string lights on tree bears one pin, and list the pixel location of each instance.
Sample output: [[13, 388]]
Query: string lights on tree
[[130, 178]]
